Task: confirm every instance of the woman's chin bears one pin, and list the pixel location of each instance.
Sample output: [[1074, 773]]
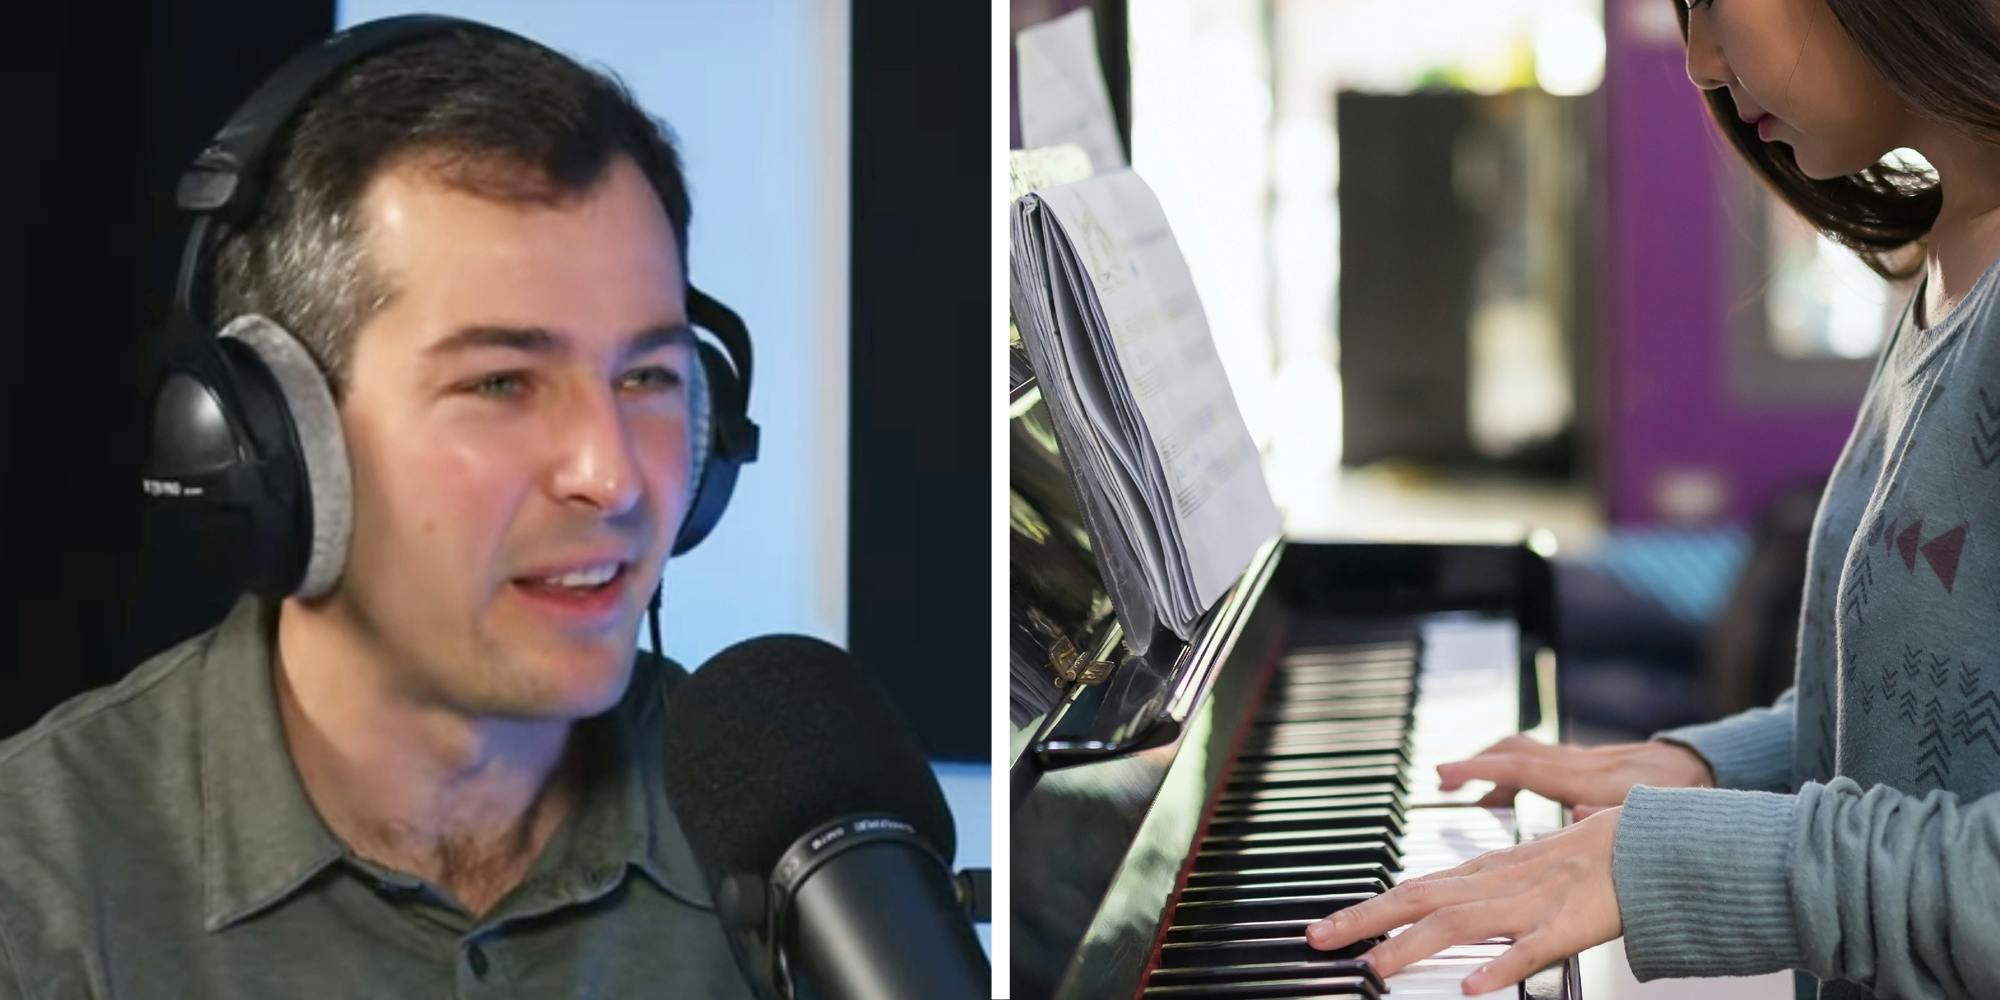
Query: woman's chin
[[1823, 168]]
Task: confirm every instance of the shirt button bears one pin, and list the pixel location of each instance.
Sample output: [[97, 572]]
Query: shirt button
[[475, 956]]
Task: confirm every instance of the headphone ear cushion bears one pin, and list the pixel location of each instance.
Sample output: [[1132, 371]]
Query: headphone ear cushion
[[701, 411], [328, 489], [714, 474]]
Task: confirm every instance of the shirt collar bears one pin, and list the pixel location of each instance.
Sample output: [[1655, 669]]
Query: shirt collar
[[262, 840], [624, 817], [261, 837]]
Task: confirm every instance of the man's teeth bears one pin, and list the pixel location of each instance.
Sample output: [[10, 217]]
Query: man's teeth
[[591, 576]]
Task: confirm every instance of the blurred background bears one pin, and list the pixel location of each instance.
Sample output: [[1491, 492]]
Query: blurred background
[[1477, 267], [840, 161]]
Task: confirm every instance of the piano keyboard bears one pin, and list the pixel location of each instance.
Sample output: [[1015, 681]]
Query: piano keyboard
[[1332, 798]]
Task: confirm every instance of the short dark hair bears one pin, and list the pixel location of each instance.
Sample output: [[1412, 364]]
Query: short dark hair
[[489, 115], [1942, 58]]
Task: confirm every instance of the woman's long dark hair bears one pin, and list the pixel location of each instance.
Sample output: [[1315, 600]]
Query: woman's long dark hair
[[1942, 58]]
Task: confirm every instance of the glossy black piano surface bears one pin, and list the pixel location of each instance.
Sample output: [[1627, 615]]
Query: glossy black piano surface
[[1112, 782]]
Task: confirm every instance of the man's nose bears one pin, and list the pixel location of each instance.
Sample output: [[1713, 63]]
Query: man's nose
[[595, 462]]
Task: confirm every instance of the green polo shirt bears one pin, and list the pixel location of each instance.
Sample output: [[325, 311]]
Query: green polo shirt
[[155, 841]]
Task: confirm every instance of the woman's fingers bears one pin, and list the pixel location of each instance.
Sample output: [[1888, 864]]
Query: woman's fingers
[[1499, 767], [1462, 923], [1516, 742], [1566, 776], [1405, 904], [1553, 896], [1528, 956]]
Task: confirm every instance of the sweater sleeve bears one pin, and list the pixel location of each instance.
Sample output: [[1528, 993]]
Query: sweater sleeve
[[1702, 881], [1889, 890], [1748, 750]]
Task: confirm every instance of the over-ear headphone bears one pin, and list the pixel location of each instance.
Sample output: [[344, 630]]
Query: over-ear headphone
[[244, 422]]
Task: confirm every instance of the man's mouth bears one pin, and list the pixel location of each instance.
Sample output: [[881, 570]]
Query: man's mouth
[[583, 595], [587, 578]]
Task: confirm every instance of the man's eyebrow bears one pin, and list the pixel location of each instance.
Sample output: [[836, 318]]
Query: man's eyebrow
[[653, 338], [544, 341]]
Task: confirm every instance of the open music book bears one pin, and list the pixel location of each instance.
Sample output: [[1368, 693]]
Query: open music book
[[1166, 473]]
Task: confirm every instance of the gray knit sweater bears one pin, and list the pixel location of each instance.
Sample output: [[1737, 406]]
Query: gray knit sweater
[[1857, 833]]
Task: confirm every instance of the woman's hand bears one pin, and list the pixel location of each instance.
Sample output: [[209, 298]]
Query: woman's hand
[[1589, 778], [1553, 897]]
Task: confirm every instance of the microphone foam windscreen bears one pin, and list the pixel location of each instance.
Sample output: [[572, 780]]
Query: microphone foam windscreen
[[777, 735]]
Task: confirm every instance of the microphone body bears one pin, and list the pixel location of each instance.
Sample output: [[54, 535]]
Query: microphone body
[[812, 809], [876, 918]]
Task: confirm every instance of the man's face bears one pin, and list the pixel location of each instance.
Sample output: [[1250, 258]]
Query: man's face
[[518, 411]]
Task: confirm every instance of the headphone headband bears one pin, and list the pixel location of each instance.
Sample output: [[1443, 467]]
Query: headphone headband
[[228, 176]]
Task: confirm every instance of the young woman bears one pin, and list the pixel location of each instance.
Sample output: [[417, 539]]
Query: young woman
[[1851, 831]]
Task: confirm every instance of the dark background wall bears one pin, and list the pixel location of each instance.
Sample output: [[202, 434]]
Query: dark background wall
[[922, 341], [103, 106]]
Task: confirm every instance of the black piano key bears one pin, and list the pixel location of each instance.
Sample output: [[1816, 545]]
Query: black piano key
[[1317, 697], [1379, 670], [1365, 768], [1326, 964], [1264, 733], [1294, 740], [1250, 797], [1268, 730], [1292, 685], [1263, 765], [1290, 873], [1283, 938], [1289, 681], [1302, 838], [1251, 930], [1296, 887], [1394, 739], [1322, 696], [1281, 989], [1333, 799], [1308, 819], [1310, 906], [1290, 664], [1285, 948], [1353, 652], [1324, 777], [1328, 750], [1306, 751], [1324, 852], [1336, 711]]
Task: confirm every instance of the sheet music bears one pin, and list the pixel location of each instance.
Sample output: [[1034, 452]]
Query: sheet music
[[1033, 169], [1061, 89], [1116, 330]]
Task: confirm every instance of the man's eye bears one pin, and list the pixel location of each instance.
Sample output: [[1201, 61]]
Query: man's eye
[[500, 385], [653, 378]]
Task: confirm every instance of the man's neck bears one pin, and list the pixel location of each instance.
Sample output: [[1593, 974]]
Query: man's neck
[[410, 782]]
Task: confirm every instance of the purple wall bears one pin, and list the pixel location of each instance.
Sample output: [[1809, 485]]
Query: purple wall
[[1671, 405]]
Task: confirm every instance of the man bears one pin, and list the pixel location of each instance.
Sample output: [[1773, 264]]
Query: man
[[443, 776]]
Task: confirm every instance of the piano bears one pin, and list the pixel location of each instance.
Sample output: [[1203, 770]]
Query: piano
[[1180, 815]]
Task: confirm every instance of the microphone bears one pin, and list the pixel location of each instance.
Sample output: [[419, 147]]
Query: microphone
[[820, 826]]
